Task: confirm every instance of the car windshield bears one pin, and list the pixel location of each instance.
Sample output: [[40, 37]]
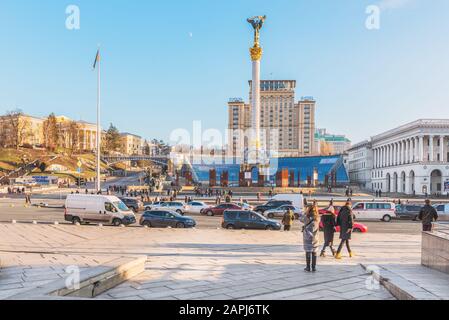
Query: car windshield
[[121, 206], [174, 213]]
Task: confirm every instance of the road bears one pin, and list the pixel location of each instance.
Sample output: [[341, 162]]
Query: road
[[15, 210]]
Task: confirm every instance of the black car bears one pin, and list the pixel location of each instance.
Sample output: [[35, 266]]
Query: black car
[[408, 211], [164, 219], [133, 204], [272, 205], [242, 219]]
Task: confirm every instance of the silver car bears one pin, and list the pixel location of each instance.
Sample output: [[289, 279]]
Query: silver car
[[281, 211]]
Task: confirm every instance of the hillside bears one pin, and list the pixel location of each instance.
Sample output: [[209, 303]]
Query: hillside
[[61, 165]]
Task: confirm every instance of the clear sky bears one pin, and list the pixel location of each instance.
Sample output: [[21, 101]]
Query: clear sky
[[168, 63]]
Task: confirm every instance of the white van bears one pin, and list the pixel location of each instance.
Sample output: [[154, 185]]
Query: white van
[[379, 211], [296, 199], [97, 209]]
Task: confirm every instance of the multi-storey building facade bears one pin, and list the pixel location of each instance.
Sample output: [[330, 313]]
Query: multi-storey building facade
[[412, 159], [21, 129], [330, 144], [287, 127], [360, 164], [132, 144]]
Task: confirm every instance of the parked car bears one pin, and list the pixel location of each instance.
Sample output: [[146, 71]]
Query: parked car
[[358, 227], [134, 204], [176, 206], [149, 206], [195, 207], [242, 219], [296, 199], [408, 211], [272, 204], [443, 211], [245, 206], [377, 211], [220, 209], [280, 212], [164, 218], [97, 209]]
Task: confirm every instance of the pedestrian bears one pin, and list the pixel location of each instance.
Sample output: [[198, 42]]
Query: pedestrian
[[311, 236], [428, 215], [329, 223], [377, 193], [345, 221], [380, 193], [288, 219]]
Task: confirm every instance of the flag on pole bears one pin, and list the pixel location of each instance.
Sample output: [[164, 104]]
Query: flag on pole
[[97, 58]]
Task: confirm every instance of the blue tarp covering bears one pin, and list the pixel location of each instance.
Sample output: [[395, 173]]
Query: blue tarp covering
[[305, 166]]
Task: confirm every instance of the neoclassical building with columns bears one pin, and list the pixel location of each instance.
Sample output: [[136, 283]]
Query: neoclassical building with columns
[[412, 159]]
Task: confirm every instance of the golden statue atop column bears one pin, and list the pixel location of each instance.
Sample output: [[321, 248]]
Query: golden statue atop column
[[257, 23]]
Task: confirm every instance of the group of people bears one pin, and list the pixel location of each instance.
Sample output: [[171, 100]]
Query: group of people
[[329, 221], [311, 220]]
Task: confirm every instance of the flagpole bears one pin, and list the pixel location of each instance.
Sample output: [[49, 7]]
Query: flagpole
[[98, 123]]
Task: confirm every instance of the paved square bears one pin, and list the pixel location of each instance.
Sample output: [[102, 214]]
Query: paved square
[[200, 264]]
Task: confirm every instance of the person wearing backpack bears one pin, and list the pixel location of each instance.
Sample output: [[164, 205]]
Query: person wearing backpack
[[329, 222], [428, 215], [288, 219], [345, 221]]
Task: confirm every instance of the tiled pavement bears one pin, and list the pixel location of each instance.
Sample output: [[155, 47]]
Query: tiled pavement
[[201, 264]]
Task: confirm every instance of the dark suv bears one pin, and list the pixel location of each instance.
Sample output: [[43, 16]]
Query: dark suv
[[240, 219], [408, 211], [164, 219], [133, 204], [272, 205]]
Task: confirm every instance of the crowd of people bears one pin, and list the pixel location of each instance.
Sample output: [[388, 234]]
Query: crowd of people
[[329, 221]]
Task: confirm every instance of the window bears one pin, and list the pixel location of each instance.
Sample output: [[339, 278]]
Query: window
[[109, 207], [359, 206], [244, 215]]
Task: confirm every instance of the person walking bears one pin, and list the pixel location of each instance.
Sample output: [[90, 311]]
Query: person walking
[[288, 219], [345, 221], [311, 236], [428, 215], [329, 223]]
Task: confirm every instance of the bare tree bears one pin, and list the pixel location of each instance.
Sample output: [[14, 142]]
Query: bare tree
[[16, 129], [51, 133], [73, 137]]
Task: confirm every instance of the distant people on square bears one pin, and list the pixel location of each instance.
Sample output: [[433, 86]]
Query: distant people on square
[[345, 221], [288, 219], [428, 215], [311, 228], [329, 223]]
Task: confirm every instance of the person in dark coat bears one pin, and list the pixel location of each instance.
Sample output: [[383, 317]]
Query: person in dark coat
[[311, 237], [345, 221], [428, 215], [329, 223]]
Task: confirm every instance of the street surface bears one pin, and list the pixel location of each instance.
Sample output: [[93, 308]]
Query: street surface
[[199, 263]]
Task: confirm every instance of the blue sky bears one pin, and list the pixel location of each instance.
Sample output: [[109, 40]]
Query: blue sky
[[168, 63]]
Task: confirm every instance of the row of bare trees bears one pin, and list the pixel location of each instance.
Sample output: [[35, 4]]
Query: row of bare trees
[[16, 130]]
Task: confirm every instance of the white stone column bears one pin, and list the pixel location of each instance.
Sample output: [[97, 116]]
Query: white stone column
[[401, 152], [388, 155], [394, 154], [431, 149], [421, 149], [255, 116], [442, 156], [416, 157]]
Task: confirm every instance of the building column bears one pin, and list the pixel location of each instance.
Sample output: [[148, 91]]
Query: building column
[[401, 152], [431, 150], [442, 156], [421, 149], [383, 157], [394, 154], [376, 158]]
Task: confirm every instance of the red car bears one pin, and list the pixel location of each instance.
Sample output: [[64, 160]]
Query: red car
[[358, 227], [219, 210]]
